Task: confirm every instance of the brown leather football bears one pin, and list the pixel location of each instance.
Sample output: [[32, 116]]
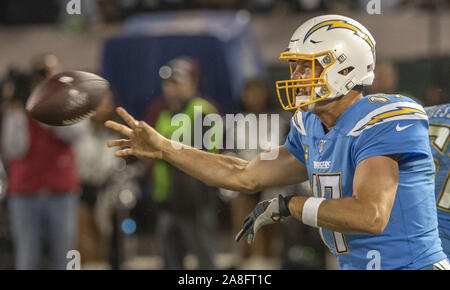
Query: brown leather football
[[67, 98]]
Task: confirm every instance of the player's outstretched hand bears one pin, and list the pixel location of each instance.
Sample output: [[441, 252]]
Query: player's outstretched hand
[[266, 212], [143, 140]]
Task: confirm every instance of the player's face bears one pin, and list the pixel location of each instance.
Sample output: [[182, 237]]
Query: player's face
[[177, 93], [303, 69], [254, 99]]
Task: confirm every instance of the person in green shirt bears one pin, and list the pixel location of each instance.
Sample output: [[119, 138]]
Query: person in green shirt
[[188, 207]]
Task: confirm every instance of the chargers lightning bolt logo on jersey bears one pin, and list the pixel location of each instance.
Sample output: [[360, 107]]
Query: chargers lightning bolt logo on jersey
[[333, 24], [391, 112], [400, 111]]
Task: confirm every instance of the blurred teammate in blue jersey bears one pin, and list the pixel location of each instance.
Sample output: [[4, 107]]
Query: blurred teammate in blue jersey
[[368, 159], [439, 117]]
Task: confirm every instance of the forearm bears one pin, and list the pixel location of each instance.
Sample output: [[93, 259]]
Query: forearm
[[347, 215], [213, 169]]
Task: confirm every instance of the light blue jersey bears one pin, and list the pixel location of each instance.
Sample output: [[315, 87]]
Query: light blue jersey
[[439, 117], [375, 125]]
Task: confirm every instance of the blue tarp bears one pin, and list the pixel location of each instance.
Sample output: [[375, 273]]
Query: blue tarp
[[220, 41]]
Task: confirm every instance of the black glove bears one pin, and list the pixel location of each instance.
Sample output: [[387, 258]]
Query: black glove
[[266, 212]]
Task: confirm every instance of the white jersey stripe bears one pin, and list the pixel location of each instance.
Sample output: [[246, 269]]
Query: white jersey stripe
[[299, 124], [363, 124]]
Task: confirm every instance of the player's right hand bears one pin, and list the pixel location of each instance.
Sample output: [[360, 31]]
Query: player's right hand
[[266, 212], [143, 140]]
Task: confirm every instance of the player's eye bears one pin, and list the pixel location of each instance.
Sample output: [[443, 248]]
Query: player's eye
[[299, 67]]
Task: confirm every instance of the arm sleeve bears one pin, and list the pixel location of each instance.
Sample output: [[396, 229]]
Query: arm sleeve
[[406, 137], [293, 143]]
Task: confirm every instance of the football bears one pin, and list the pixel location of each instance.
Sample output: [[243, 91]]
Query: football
[[67, 98]]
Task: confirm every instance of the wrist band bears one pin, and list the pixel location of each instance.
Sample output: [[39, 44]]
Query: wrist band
[[310, 210]]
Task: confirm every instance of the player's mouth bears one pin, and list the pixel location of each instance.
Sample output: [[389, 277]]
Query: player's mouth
[[302, 97]]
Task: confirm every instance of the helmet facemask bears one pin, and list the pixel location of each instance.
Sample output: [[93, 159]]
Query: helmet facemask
[[287, 90]]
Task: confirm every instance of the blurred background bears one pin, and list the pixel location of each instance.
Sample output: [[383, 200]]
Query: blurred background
[[161, 57]]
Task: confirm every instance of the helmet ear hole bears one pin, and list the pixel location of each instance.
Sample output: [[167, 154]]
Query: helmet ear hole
[[346, 70]]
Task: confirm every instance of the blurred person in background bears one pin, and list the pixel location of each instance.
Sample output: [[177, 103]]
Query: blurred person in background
[[187, 220], [96, 168], [15, 88], [43, 185], [263, 253], [386, 78], [434, 95]]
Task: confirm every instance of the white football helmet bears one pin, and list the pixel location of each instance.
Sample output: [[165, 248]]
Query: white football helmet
[[337, 43]]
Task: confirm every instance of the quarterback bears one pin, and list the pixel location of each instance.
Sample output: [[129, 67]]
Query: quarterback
[[367, 158]]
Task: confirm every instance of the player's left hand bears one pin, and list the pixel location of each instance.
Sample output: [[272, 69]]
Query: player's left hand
[[266, 212]]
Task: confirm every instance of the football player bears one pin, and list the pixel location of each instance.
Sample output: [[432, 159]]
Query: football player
[[368, 158], [439, 137]]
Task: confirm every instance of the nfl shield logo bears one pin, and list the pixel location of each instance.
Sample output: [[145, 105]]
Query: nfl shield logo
[[321, 143]]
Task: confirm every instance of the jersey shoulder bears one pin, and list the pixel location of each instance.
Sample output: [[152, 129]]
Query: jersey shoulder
[[375, 102], [380, 110], [439, 112], [366, 113]]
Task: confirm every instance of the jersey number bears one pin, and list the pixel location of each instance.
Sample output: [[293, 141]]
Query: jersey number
[[440, 135], [443, 200], [328, 185]]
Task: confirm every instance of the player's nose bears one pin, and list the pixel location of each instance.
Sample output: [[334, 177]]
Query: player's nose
[[296, 74]]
